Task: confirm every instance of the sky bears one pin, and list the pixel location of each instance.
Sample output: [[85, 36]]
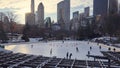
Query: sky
[[20, 7]]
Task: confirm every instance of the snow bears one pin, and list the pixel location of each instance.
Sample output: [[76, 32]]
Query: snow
[[59, 48], [6, 51], [105, 38], [35, 39]]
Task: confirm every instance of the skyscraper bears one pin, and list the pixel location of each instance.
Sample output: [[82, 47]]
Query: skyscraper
[[32, 6], [67, 11], [60, 11], [113, 6], [63, 9], [40, 15], [30, 17], [100, 7], [87, 11], [75, 21]]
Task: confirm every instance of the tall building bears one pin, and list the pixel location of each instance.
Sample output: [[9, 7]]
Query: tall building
[[75, 21], [32, 6], [67, 14], [113, 6], [87, 11], [100, 7], [30, 19], [40, 15], [63, 9], [60, 11]]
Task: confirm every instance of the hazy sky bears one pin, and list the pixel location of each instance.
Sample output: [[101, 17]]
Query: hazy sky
[[20, 7]]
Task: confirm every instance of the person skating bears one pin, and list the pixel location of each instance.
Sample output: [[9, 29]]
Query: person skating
[[109, 48], [77, 50], [67, 55], [100, 47], [90, 48], [114, 49], [51, 51], [70, 55], [88, 52], [31, 46]]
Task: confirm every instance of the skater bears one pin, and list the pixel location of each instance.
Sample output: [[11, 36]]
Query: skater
[[31, 46], [88, 42], [70, 55], [67, 55], [98, 43], [90, 48], [51, 51], [114, 49], [77, 50], [63, 41], [109, 48], [88, 52], [100, 47]]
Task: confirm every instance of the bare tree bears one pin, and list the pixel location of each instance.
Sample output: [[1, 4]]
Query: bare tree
[[3, 36], [12, 17]]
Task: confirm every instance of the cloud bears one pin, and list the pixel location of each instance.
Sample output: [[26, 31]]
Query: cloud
[[20, 7]]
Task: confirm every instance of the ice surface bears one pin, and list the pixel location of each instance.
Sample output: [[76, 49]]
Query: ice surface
[[58, 48]]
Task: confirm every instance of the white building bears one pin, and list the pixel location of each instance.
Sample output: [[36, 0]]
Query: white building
[[64, 7], [40, 15]]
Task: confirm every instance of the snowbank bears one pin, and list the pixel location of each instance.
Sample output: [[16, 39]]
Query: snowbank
[[105, 40]]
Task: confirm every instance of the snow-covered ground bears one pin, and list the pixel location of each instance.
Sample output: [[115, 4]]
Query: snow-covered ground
[[58, 48], [6, 51], [106, 40]]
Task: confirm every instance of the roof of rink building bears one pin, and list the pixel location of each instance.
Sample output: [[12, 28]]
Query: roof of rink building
[[19, 60]]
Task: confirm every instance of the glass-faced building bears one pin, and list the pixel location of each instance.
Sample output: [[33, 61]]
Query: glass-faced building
[[100, 7]]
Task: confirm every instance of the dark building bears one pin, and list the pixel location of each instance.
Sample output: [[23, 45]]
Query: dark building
[[113, 6], [100, 7], [86, 11]]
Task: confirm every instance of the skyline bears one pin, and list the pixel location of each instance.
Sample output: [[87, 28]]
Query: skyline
[[20, 10]]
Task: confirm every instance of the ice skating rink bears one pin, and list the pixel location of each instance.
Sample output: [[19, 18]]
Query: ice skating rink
[[79, 49]]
